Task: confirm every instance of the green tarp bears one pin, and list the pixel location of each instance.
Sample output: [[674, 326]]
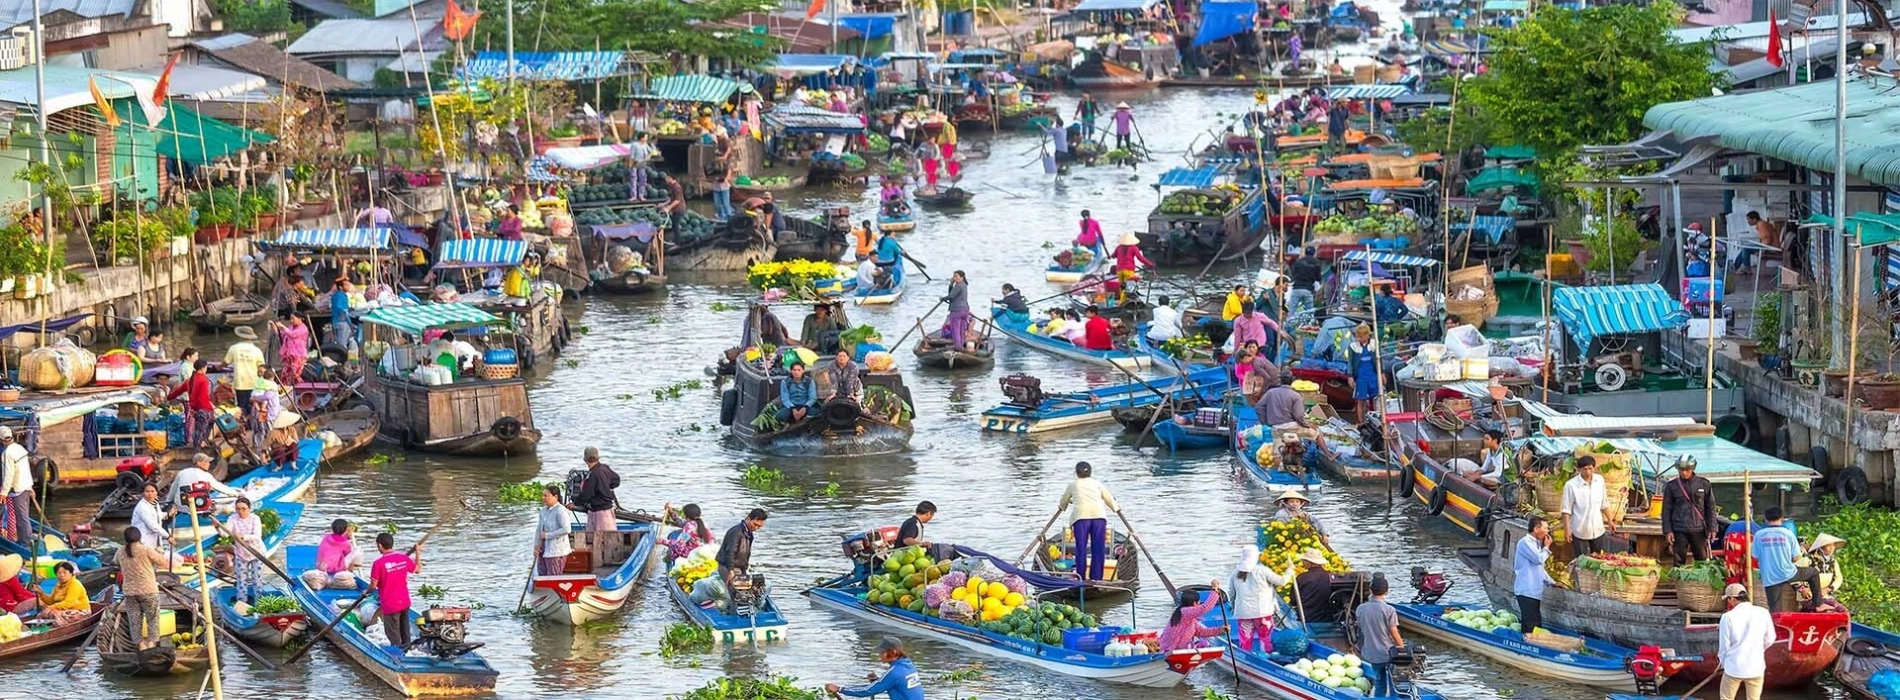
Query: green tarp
[[1874, 229], [691, 88], [197, 139], [1497, 178], [416, 319], [1510, 152]]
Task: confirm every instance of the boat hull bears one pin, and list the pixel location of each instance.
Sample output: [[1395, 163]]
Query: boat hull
[[1179, 437], [412, 675], [356, 428], [767, 626], [1109, 358], [630, 283], [60, 636], [945, 357], [273, 631], [577, 599], [1603, 669]]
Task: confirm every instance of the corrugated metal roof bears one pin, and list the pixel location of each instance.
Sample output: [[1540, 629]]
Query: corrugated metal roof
[[797, 118], [201, 82], [1796, 124], [416, 319], [18, 13], [367, 36]]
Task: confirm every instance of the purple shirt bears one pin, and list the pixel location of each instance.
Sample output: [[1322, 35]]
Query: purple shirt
[[391, 576], [1251, 327], [1123, 120]]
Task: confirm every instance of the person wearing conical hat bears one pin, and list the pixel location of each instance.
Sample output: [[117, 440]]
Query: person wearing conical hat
[[1820, 571], [1293, 507], [1128, 259], [1123, 122], [14, 597]]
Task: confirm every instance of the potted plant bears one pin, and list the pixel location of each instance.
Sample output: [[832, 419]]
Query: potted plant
[[217, 211], [23, 260], [178, 227], [257, 211], [1766, 328], [315, 206], [130, 240]]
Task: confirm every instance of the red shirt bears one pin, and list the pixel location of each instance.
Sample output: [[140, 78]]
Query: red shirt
[[1127, 256], [198, 392], [1095, 334], [12, 593]]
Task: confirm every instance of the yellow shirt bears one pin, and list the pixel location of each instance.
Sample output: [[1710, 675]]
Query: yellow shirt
[[1232, 308], [244, 359], [949, 134], [67, 595]]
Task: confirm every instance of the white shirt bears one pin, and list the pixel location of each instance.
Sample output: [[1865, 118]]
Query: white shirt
[[192, 475], [17, 469], [1493, 465], [1166, 324], [1584, 504], [1091, 499], [867, 274], [1255, 597], [1742, 642], [145, 517]]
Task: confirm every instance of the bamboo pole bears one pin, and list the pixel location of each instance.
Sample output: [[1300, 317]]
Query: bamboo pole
[[1444, 195], [1550, 241], [204, 595], [1853, 342], [1708, 369]]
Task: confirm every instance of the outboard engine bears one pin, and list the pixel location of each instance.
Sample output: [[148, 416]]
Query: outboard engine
[[575, 477], [1408, 664], [1430, 584], [443, 632], [1646, 668], [746, 589]]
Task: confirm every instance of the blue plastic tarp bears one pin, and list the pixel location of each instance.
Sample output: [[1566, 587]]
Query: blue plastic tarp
[[1115, 5], [1189, 177], [1220, 20], [1593, 312], [808, 63], [870, 26]]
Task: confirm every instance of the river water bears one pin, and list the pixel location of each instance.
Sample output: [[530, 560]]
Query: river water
[[1193, 510]]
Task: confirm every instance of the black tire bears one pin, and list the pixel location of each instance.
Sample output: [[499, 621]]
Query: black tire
[[128, 482], [1784, 443], [728, 406], [45, 471], [1864, 647], [1482, 524], [1435, 504], [1737, 429], [506, 428], [1819, 462], [1408, 481], [1850, 486], [842, 413]]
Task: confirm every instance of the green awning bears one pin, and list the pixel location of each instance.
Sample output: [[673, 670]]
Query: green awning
[[1499, 178], [1518, 152], [197, 139], [416, 319], [691, 88], [1874, 229], [1795, 124]]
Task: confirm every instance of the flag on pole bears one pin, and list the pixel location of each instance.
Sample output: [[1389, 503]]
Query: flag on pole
[[105, 106], [164, 81], [816, 7], [1774, 42], [457, 24]]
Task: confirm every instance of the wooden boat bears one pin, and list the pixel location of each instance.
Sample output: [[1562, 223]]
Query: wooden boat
[[887, 294], [61, 460], [1166, 362], [230, 312], [1600, 664], [1462, 500], [1097, 73], [897, 216], [1163, 670], [1031, 411], [537, 331], [120, 652], [1195, 431], [1868, 651], [813, 239], [735, 250], [947, 198], [742, 193], [411, 674], [631, 282], [1245, 421], [1123, 569], [1140, 419], [275, 631], [355, 429], [881, 424], [644, 276], [767, 625], [1016, 326], [1071, 274], [471, 417], [1239, 233], [842, 284], [38, 636], [1265, 671], [87, 561], [937, 352], [601, 572], [1814, 640]]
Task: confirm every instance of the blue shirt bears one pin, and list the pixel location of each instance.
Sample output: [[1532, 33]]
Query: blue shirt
[[1775, 549], [887, 251], [339, 306], [1528, 565], [900, 683], [797, 392]]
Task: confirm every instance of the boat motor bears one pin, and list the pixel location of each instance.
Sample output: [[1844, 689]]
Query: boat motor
[[575, 478], [443, 632], [80, 537], [746, 591], [870, 548], [1022, 390], [1431, 585], [197, 497], [1408, 664], [1646, 668]]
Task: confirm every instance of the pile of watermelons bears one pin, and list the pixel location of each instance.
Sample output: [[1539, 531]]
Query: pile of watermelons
[[1040, 622]]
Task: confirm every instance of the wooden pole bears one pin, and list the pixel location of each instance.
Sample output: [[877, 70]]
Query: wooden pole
[[1708, 370], [204, 595], [1853, 341]]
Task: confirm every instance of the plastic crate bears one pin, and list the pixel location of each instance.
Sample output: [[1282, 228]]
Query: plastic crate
[[1698, 289], [1089, 641]]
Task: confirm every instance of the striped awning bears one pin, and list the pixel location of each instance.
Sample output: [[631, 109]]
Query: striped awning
[[1189, 177], [691, 88], [416, 319], [537, 170], [1578, 424], [1592, 312], [333, 239], [1384, 258], [545, 65], [1364, 92], [480, 252]]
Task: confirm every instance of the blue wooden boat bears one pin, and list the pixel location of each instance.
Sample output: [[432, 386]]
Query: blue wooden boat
[[1177, 435], [897, 219], [886, 294], [1016, 326], [1164, 361], [1245, 420], [1599, 663], [1072, 274], [1068, 410], [1160, 670], [412, 674], [1868, 651], [601, 572], [1272, 671], [842, 284], [272, 483], [768, 625], [268, 630]]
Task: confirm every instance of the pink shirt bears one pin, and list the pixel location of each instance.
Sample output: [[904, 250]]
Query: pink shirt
[[294, 341], [1186, 633], [1123, 120], [1252, 327], [391, 576], [1091, 234], [333, 553]]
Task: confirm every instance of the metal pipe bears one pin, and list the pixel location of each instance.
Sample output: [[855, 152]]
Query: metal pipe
[[1839, 208]]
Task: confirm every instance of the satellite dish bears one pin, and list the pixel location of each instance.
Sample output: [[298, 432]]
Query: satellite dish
[[1611, 377]]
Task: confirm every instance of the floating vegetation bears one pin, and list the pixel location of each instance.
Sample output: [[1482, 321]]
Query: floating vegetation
[[522, 493], [677, 389], [683, 638]]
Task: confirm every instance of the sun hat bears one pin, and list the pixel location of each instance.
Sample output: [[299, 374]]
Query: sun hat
[[1287, 493], [1121, 105], [1823, 540], [285, 420], [140, 321], [10, 566], [1130, 239], [1313, 556], [245, 332]]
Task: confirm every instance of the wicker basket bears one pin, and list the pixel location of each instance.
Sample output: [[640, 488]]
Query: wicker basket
[[1549, 496], [1630, 589], [493, 372], [1475, 311], [1696, 596], [1552, 640], [1314, 397]]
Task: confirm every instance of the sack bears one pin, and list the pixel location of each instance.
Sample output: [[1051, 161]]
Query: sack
[[61, 365]]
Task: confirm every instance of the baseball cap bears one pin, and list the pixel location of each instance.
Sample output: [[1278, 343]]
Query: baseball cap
[[1735, 590]]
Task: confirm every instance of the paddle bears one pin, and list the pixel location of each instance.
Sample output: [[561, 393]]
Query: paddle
[[111, 613], [365, 596], [261, 556], [919, 325], [229, 635], [1004, 191], [1165, 583], [1038, 538], [1705, 681], [920, 266]]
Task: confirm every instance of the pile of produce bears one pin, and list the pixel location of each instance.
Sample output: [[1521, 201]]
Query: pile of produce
[[1214, 202], [610, 192], [1626, 577], [1337, 671], [1282, 541], [878, 142], [1018, 108], [669, 127], [187, 641], [766, 182], [907, 572], [695, 566], [852, 161], [1188, 346], [693, 227], [1483, 620], [797, 278], [11, 628], [1615, 564], [1040, 622], [1376, 222]]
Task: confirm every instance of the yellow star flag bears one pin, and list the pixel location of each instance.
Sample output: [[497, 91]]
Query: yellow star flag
[[105, 106]]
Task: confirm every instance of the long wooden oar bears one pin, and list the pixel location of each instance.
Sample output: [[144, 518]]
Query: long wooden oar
[[365, 596], [1165, 583], [1038, 538], [919, 326], [110, 613]]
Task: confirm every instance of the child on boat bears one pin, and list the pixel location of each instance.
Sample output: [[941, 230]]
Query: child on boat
[[1185, 630]]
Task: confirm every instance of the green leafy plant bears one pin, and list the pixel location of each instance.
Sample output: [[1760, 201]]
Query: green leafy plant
[[131, 235], [729, 688], [1612, 246], [683, 638], [564, 131], [1869, 558], [1766, 326], [767, 421], [522, 493], [274, 605], [428, 591]]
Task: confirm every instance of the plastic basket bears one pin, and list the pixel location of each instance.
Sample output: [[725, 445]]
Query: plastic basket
[[1089, 641]]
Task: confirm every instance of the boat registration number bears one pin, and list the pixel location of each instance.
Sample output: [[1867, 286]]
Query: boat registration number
[[999, 424], [731, 636]]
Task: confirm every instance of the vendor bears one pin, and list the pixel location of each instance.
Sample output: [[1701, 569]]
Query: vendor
[[911, 533], [1490, 471], [1293, 507], [1314, 588], [823, 326]]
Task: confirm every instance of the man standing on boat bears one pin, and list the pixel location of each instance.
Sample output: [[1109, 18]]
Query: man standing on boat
[[1688, 513], [735, 551], [1527, 563], [1086, 111], [1378, 625], [16, 484], [1775, 549], [899, 683], [597, 493], [1306, 273], [389, 580], [911, 533], [1742, 641], [1586, 509], [1089, 519]]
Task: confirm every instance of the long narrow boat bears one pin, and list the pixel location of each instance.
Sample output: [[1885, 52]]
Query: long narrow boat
[[1283, 682], [355, 429], [1162, 670], [885, 294], [601, 572], [1244, 420], [1016, 326], [1199, 430], [1068, 410], [1444, 492], [274, 630], [38, 636], [1868, 651], [937, 352], [896, 219], [1598, 664], [411, 674], [768, 625]]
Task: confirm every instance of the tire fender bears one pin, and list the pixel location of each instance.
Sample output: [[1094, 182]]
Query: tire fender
[[506, 428], [1850, 486], [1408, 480], [1435, 504], [1784, 443], [728, 405]]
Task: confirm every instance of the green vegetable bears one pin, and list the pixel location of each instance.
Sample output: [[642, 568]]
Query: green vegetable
[[729, 688], [274, 605], [523, 492]]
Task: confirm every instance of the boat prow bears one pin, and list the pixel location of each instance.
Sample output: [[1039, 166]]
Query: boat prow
[[767, 625], [272, 630]]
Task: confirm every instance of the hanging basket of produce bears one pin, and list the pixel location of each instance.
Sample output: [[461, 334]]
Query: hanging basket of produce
[[1626, 577]]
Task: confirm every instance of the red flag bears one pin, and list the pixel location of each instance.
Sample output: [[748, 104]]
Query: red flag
[[164, 81], [1774, 41], [456, 24], [817, 6]]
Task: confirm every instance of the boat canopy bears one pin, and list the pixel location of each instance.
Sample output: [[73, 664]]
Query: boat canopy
[[480, 252], [787, 65], [587, 157], [1366, 92], [1380, 257], [56, 409], [1589, 313], [806, 119], [426, 317], [332, 239], [48, 326], [1220, 20], [1717, 459], [1500, 177]]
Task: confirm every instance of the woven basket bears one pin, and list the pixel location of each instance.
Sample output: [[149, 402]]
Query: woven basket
[[1630, 589], [1607, 461], [1549, 496], [493, 372], [1475, 311], [61, 365], [1696, 596], [1552, 640], [1588, 583]]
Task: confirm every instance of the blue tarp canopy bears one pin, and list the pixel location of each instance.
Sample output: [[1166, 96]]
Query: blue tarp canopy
[[480, 252], [1593, 312], [49, 326], [545, 65], [1493, 227], [1384, 258], [1220, 20], [332, 239], [808, 63], [1189, 177], [806, 119], [870, 26], [975, 55], [1365, 92], [1114, 6]]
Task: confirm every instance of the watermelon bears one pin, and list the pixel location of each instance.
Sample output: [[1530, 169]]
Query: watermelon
[[1052, 637]]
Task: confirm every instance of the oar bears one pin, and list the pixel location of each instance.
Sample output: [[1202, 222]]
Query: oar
[[1067, 292], [1038, 538], [1705, 681], [1165, 583], [1004, 191], [111, 612], [362, 597], [920, 266], [919, 325], [229, 636]]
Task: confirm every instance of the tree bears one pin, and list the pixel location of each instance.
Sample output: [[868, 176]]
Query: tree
[[663, 27], [1566, 78]]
